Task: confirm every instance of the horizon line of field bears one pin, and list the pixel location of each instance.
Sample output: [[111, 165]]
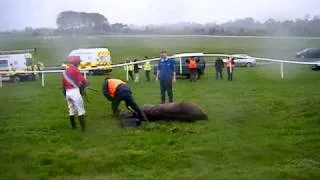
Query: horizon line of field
[[156, 59], [180, 36]]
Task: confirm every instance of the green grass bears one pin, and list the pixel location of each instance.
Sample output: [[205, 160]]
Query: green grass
[[259, 127]]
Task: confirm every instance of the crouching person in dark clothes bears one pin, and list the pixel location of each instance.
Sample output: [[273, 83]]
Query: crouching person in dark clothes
[[116, 90]]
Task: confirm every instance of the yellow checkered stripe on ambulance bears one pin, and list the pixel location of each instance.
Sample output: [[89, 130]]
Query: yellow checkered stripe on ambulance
[[103, 53]]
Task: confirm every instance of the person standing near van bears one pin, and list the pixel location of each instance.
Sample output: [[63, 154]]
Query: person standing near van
[[166, 75], [147, 69], [229, 66], [40, 67], [11, 70], [193, 68], [219, 67], [136, 71], [131, 68]]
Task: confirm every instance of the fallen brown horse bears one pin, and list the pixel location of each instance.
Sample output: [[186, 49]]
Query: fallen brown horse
[[185, 111]]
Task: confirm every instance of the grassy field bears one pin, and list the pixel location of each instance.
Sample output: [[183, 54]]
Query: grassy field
[[259, 127]]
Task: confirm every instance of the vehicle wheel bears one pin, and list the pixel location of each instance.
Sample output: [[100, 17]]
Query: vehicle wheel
[[91, 73], [249, 65], [302, 56], [32, 77], [16, 79]]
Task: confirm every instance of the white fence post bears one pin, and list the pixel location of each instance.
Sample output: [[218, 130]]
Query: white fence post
[[127, 72], [0, 80], [281, 67], [85, 74], [42, 78], [180, 59]]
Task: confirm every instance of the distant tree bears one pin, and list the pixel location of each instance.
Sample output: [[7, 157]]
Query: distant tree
[[81, 22], [119, 27]]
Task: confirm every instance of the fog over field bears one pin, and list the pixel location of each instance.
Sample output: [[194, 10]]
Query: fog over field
[[18, 14]]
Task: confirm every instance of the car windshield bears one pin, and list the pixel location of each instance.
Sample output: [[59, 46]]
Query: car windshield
[[310, 49]]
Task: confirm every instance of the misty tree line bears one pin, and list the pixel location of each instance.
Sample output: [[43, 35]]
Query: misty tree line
[[82, 23], [245, 27], [87, 23]]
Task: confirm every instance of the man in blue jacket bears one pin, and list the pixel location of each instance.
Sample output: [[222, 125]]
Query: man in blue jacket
[[166, 75]]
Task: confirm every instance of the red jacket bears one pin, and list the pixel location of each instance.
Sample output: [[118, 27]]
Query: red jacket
[[74, 74]]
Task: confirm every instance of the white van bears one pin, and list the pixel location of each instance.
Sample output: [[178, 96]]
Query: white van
[[13, 66], [94, 58]]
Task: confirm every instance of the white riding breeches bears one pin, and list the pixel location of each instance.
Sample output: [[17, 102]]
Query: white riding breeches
[[75, 102]]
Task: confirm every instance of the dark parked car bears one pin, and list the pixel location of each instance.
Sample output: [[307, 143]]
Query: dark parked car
[[309, 53], [316, 66], [184, 70]]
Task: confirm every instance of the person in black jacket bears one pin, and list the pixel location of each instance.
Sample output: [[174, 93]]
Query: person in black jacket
[[219, 67], [136, 71]]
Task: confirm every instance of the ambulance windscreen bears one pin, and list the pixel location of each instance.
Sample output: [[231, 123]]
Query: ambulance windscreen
[[104, 58], [3, 63], [29, 61]]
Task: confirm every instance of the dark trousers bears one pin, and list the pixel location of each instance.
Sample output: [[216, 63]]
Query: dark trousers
[[193, 74], [166, 86], [127, 97], [218, 73], [131, 75], [230, 74], [148, 75]]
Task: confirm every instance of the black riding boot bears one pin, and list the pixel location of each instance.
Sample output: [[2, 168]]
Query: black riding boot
[[72, 122], [82, 123]]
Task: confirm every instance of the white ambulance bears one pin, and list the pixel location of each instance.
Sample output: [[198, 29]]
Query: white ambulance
[[99, 58], [14, 64]]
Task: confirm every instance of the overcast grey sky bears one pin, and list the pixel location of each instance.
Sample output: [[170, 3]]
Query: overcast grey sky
[[17, 14]]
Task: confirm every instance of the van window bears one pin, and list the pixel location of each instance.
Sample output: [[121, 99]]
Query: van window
[[28, 61], [104, 58], [3, 63]]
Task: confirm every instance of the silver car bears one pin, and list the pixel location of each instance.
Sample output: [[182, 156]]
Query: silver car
[[243, 60]]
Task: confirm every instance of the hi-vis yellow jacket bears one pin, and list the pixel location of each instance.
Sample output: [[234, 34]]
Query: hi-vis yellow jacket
[[131, 67], [147, 66]]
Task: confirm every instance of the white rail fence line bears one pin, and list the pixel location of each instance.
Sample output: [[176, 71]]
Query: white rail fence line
[[156, 59]]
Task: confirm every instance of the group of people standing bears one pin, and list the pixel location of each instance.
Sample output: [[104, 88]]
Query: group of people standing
[[134, 70], [166, 74], [219, 65]]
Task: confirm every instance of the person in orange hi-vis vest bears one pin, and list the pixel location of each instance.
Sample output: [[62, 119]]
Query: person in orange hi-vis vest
[[116, 90], [230, 65], [193, 68]]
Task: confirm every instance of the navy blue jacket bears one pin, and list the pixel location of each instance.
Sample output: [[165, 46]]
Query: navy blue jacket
[[166, 69]]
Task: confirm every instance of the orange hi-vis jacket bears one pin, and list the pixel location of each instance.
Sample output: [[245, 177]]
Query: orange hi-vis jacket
[[229, 63], [192, 64], [113, 85]]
